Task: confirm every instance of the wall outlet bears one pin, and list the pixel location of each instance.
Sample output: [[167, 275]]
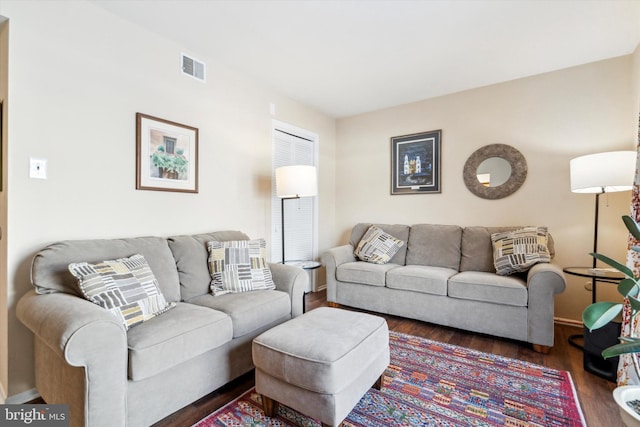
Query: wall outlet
[[37, 168]]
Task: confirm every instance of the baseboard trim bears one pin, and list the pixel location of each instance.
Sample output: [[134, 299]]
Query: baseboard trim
[[24, 397], [3, 395], [568, 322]]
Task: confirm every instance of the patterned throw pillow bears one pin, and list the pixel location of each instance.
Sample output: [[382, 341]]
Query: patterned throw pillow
[[377, 247], [517, 251], [239, 266], [126, 287]]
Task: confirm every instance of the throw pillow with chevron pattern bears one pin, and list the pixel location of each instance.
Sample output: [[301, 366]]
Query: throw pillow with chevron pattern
[[239, 266], [126, 287], [517, 251], [377, 247]]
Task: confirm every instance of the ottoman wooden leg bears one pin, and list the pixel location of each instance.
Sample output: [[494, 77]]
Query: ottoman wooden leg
[[270, 406], [378, 384]]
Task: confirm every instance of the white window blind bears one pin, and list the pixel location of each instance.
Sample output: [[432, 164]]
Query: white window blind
[[292, 148]]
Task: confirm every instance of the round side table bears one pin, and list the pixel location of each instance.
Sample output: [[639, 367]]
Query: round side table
[[605, 275], [310, 267], [595, 341]]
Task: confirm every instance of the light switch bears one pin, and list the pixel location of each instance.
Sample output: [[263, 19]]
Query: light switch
[[37, 168]]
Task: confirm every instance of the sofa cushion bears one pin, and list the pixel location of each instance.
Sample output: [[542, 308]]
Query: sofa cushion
[[364, 273], [420, 278], [126, 287], [190, 253], [489, 287], [434, 245], [519, 250], [239, 266], [400, 232], [50, 267], [249, 311], [477, 250], [377, 247], [175, 337]]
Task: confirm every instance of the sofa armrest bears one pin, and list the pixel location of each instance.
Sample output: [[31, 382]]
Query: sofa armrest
[[544, 281], [331, 260], [83, 335], [292, 280], [547, 274]]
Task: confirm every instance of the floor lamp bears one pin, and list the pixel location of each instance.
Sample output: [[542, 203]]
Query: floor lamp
[[602, 173], [597, 174], [294, 182]]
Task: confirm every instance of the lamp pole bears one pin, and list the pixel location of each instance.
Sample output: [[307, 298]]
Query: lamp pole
[[282, 220], [595, 247]]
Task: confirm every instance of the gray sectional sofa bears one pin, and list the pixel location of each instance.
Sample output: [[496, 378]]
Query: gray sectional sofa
[[444, 274], [84, 357]]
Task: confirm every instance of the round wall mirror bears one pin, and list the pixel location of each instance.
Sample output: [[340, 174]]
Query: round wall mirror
[[495, 171]]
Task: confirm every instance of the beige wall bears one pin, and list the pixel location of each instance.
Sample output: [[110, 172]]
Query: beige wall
[[75, 84], [550, 118]]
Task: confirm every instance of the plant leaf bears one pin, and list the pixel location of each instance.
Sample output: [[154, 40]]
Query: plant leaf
[[634, 303], [628, 287], [632, 226], [599, 314], [613, 263], [623, 348]]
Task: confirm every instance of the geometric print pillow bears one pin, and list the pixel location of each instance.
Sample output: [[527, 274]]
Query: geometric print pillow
[[126, 287], [239, 266], [517, 251], [377, 247]]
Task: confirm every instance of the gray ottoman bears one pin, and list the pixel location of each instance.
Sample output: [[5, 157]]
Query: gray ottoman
[[321, 363]]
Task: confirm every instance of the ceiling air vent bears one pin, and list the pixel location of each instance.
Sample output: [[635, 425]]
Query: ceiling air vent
[[194, 68]]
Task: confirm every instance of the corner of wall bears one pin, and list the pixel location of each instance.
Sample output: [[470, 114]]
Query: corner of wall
[[4, 289], [635, 80]]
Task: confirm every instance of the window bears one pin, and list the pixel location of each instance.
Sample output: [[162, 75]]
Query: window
[[293, 146], [169, 144]]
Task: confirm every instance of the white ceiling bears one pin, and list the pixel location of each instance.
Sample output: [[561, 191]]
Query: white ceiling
[[353, 56]]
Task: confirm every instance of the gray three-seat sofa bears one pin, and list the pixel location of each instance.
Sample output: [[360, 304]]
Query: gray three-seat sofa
[[445, 274]]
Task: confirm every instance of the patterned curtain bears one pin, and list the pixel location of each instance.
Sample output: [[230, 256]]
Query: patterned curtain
[[627, 372]]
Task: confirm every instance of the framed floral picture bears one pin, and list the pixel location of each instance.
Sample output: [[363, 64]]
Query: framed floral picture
[[166, 155], [415, 163]]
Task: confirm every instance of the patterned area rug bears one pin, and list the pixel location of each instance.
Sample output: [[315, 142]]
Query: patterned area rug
[[435, 384]]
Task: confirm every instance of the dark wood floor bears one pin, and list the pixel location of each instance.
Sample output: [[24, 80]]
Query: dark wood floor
[[594, 393]]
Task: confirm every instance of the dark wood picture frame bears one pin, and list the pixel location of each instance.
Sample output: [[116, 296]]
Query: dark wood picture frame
[[166, 155], [415, 163]]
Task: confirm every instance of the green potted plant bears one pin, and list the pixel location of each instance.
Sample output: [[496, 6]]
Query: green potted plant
[[600, 313], [170, 166]]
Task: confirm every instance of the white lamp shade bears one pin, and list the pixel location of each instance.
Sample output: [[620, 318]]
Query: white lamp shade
[[603, 172], [296, 181]]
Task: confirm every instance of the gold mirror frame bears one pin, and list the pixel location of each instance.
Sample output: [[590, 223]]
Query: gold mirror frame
[[518, 171]]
